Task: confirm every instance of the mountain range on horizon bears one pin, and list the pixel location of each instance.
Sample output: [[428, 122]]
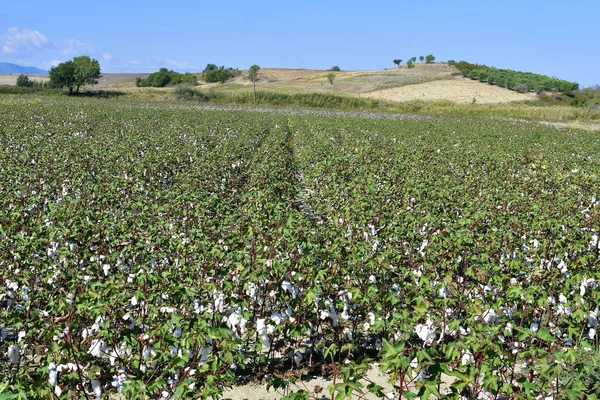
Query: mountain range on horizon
[[10, 68]]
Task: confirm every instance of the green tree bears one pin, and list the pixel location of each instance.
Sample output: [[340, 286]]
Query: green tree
[[217, 75], [413, 59], [397, 61], [86, 71], [63, 76], [335, 68], [421, 58], [409, 63], [210, 67], [429, 58], [24, 81], [253, 76], [330, 78]]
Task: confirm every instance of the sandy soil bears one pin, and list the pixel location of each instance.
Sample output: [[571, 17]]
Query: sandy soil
[[459, 90], [374, 375], [6, 79]]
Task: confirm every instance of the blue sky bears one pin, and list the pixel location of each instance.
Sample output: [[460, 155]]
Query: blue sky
[[557, 38]]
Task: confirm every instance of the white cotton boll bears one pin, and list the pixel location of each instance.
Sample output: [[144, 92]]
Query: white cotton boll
[[57, 391], [348, 333], [443, 293], [260, 326], [133, 301], [97, 348], [467, 358], [378, 344], [106, 269], [592, 333], [276, 317], [97, 388], [324, 314], [298, 359], [3, 334], [372, 279], [13, 354], [366, 326], [490, 316], [371, 318], [534, 326], [164, 394], [508, 329], [21, 335], [562, 298], [334, 316], [288, 287], [593, 318], [266, 342], [177, 332], [414, 363], [52, 374], [270, 329]]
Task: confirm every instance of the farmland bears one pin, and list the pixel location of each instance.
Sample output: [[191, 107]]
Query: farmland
[[172, 250]]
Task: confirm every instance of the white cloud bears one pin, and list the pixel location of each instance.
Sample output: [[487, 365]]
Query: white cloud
[[107, 56], [16, 41], [174, 64], [76, 47]]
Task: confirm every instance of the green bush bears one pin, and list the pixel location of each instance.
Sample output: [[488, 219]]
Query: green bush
[[24, 81], [165, 77], [220, 74], [335, 68]]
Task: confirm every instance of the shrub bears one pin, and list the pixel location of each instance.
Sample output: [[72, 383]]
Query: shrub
[[335, 68], [24, 81], [166, 77], [430, 58], [330, 78], [410, 63]]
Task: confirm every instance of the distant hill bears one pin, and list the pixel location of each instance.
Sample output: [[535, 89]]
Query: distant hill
[[9, 68]]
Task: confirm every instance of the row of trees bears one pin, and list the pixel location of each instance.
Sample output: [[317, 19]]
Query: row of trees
[[413, 60], [514, 80], [165, 77]]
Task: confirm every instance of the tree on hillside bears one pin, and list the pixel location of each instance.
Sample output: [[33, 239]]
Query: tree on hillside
[[253, 76], [413, 59], [24, 81], [409, 63], [86, 71], [335, 68], [429, 58], [63, 75], [210, 67], [75, 73], [397, 61], [421, 58], [330, 78], [217, 75]]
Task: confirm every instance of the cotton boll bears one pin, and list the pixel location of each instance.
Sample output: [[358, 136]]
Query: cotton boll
[[490, 316], [13, 354], [276, 317], [593, 318], [562, 298], [57, 391], [592, 333], [177, 332], [467, 358], [534, 326], [52, 374], [133, 301], [348, 333], [97, 388], [266, 342], [298, 359], [97, 348], [106, 269], [372, 279]]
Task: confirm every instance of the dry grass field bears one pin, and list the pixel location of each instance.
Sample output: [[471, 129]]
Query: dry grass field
[[424, 82]]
